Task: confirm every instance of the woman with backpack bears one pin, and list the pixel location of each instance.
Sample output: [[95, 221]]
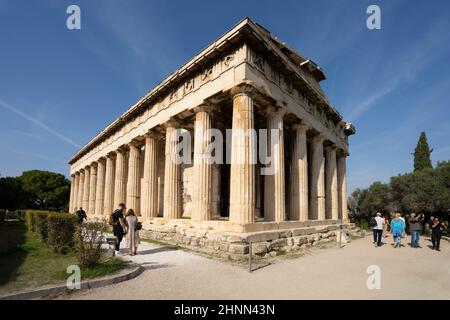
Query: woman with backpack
[[133, 227]]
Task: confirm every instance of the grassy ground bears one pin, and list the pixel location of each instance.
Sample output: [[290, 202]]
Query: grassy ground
[[28, 263]]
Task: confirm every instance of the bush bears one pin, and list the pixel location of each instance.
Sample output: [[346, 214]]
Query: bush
[[41, 224], [61, 229], [88, 242]]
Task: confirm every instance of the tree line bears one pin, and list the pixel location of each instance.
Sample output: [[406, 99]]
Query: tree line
[[35, 189], [425, 190]]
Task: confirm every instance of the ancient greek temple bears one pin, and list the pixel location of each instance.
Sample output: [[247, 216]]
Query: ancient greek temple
[[246, 79]]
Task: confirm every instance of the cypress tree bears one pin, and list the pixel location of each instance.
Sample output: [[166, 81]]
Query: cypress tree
[[422, 154]]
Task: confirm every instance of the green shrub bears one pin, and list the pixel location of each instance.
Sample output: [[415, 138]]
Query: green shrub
[[41, 224], [61, 230], [88, 242]]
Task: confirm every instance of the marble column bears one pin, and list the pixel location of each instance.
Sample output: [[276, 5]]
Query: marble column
[[72, 191], [81, 189], [331, 190], [317, 194], [75, 192], [243, 156], [276, 194], [100, 187], [299, 187], [134, 179], [120, 177], [172, 175], [149, 200], [87, 180], [202, 172], [92, 186], [108, 201], [342, 187]]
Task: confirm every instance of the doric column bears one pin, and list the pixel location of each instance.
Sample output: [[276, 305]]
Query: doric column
[[100, 188], [243, 156], [92, 186], [72, 191], [149, 201], [331, 190], [134, 179], [317, 194], [276, 195], [172, 174], [342, 187], [108, 202], [120, 177], [75, 192], [299, 186], [87, 180], [81, 188], [202, 173]]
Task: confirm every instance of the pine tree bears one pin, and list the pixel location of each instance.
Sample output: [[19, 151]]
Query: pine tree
[[422, 154]]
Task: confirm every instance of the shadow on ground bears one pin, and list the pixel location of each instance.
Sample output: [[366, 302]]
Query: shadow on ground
[[12, 253]]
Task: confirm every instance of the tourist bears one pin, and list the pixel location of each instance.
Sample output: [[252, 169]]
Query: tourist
[[133, 239], [429, 226], [378, 224], [436, 233], [81, 215], [415, 227], [118, 222], [397, 229]]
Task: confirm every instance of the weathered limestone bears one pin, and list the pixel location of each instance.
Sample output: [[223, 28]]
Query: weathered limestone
[[331, 188], [317, 194], [275, 122], [92, 187], [133, 184], [172, 174], [72, 191], [299, 185], [108, 201], [243, 156], [342, 187], [120, 181], [202, 193], [87, 180], [149, 201], [100, 188], [81, 189], [75, 192]]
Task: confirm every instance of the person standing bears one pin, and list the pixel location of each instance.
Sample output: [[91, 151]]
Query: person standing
[[118, 223], [133, 239], [386, 227], [81, 215], [436, 233], [430, 226], [378, 229], [415, 227], [397, 229]]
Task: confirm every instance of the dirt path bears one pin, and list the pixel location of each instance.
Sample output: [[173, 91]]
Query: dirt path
[[332, 273]]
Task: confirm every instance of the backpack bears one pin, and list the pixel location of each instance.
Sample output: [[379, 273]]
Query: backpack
[[112, 218], [373, 222]]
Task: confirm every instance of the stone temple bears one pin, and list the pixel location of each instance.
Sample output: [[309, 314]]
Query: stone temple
[[246, 79]]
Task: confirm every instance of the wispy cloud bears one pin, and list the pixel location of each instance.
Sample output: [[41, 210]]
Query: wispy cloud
[[38, 123], [36, 155], [403, 69]]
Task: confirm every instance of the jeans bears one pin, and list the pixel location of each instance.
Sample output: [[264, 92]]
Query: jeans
[[118, 233], [377, 236], [415, 236], [397, 239]]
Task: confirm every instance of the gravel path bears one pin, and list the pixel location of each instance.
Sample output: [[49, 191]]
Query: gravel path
[[332, 273]]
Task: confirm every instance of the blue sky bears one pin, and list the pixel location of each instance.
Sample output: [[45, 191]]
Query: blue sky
[[59, 88]]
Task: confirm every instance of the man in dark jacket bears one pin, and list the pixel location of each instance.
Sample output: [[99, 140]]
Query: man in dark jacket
[[81, 215], [119, 227], [415, 227]]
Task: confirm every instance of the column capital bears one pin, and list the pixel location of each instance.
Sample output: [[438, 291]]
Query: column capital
[[77, 173], [330, 147], [133, 144], [111, 155], [342, 153], [246, 88], [172, 123], [277, 110], [151, 134], [93, 164], [319, 138], [301, 126], [205, 106], [87, 167]]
